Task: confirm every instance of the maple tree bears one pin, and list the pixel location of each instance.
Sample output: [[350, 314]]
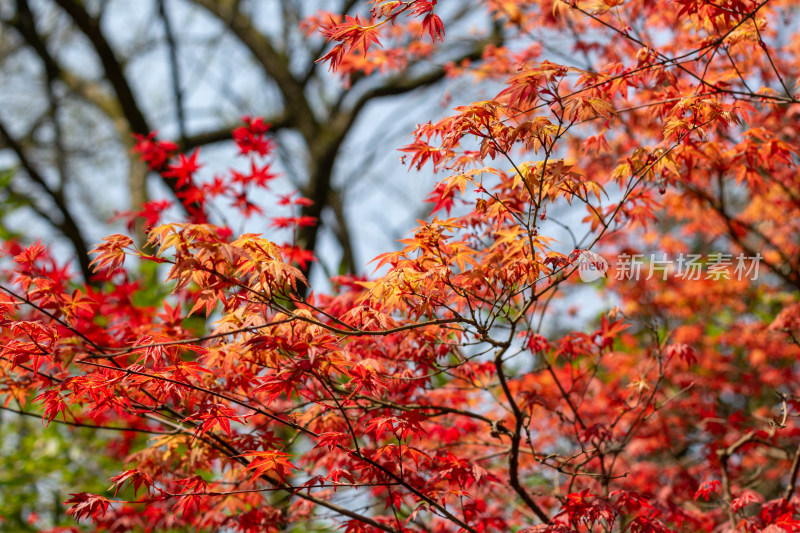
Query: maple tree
[[432, 396]]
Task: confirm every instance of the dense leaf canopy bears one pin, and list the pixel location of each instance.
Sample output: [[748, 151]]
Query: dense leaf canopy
[[436, 395]]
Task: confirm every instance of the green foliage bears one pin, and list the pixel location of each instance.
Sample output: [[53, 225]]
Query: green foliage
[[39, 466], [11, 203]]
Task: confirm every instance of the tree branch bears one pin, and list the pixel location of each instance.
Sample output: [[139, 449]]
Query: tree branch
[[68, 227], [402, 83], [223, 134], [274, 62], [112, 67], [172, 47], [114, 71]]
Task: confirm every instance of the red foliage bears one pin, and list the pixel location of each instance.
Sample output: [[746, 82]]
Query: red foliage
[[443, 395]]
